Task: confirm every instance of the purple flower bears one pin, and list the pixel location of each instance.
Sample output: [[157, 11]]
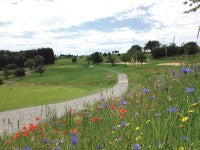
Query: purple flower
[[158, 144], [185, 138], [173, 72], [172, 109], [189, 90], [26, 148], [158, 114], [102, 98], [99, 147], [136, 146], [146, 90], [74, 134], [186, 70], [45, 141], [122, 102], [74, 140], [106, 106], [152, 96], [123, 124]]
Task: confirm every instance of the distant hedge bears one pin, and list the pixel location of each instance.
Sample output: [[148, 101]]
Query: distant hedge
[[20, 72], [189, 48]]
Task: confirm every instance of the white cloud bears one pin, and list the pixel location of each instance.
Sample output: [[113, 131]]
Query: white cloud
[[165, 17]]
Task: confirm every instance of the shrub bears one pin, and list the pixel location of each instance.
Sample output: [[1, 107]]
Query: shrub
[[158, 52], [11, 66], [74, 59], [20, 72], [190, 48], [29, 63], [1, 81], [40, 69]]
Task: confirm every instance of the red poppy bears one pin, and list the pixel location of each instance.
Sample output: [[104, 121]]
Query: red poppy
[[95, 119], [37, 118], [122, 116], [122, 110], [73, 131], [79, 122], [25, 133], [112, 107], [24, 128], [15, 137]]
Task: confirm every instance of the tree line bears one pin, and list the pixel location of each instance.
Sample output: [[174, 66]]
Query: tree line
[[7, 57]]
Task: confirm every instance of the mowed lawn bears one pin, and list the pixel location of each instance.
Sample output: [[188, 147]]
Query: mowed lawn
[[61, 81]]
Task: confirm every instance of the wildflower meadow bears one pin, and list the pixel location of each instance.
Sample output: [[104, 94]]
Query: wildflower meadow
[[161, 114]]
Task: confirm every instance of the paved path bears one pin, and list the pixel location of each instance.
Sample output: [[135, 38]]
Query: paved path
[[11, 120]]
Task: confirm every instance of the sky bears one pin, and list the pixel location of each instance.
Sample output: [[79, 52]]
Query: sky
[[81, 27]]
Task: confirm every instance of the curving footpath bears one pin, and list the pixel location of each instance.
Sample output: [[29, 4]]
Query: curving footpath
[[13, 120]]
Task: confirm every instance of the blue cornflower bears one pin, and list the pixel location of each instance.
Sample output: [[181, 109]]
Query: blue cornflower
[[173, 72], [185, 138], [74, 140], [74, 134], [106, 105], [158, 114], [122, 102], [186, 70], [99, 147], [158, 144], [172, 109], [152, 96], [102, 98], [45, 141], [136, 146], [146, 90], [123, 124], [189, 90], [26, 148]]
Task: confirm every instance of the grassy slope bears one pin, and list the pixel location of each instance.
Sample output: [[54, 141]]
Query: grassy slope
[[62, 81]]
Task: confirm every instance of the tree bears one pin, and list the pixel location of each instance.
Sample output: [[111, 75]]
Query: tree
[[38, 61], [20, 72], [29, 63], [195, 4], [74, 59], [88, 59], [11, 66], [151, 44], [133, 49], [96, 58], [111, 59], [40, 69], [125, 58], [190, 48]]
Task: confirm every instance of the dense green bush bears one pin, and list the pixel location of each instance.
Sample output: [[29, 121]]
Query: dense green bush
[[74, 59], [158, 52], [190, 48], [11, 66], [20, 72], [1, 81]]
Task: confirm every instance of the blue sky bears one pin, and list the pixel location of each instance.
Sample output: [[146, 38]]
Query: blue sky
[[82, 27]]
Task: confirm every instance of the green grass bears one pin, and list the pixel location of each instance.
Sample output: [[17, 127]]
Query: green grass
[[62, 81], [146, 120]]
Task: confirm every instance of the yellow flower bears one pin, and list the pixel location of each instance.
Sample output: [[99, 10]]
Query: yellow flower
[[181, 148], [127, 124], [137, 128], [118, 126], [147, 121], [194, 104], [110, 142], [184, 119], [191, 111], [138, 138], [181, 126]]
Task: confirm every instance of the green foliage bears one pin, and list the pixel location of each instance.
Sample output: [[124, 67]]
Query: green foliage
[[29, 63], [6, 73], [88, 59], [74, 59], [1, 81], [38, 61], [190, 48], [151, 45], [195, 4], [11, 66], [111, 59], [96, 58], [134, 49], [40, 69], [125, 58], [20, 72]]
